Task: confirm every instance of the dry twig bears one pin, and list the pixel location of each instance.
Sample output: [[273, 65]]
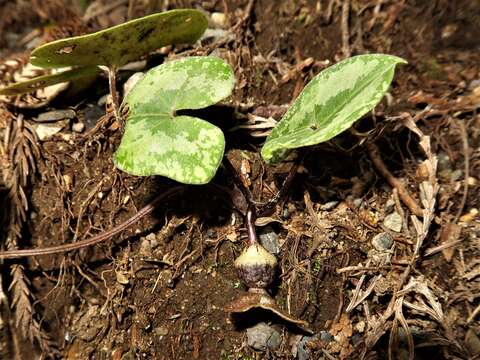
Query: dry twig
[[345, 29], [392, 180], [466, 159]]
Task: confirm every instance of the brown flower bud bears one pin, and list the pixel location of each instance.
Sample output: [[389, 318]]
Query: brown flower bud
[[256, 266]]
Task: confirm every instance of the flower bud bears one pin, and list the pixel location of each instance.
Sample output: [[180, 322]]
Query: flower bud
[[256, 266]]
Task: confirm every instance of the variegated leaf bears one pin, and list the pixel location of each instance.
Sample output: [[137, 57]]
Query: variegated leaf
[[331, 103], [156, 140], [123, 43]]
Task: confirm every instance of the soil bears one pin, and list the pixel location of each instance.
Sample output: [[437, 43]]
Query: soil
[[159, 289]]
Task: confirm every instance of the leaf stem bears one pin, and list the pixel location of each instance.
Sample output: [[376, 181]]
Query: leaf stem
[[112, 83], [284, 188], [247, 194], [250, 225], [251, 215]]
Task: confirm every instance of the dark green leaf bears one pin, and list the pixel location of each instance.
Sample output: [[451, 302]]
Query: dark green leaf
[[123, 43]]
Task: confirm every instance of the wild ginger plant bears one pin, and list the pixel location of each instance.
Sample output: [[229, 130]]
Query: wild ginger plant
[[158, 141]]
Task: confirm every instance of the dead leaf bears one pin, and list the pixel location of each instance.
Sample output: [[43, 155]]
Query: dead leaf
[[450, 232]]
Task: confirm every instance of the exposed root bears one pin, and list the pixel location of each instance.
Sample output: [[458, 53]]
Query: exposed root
[[147, 209]]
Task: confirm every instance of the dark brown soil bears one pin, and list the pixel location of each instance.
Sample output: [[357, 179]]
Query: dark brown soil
[[158, 291]]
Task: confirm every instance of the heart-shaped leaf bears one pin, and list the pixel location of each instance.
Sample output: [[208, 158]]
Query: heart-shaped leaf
[[156, 140], [331, 103], [123, 43], [51, 79]]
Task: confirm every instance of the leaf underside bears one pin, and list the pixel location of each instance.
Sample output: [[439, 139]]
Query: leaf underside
[[331, 102], [49, 80], [123, 43], [157, 141]]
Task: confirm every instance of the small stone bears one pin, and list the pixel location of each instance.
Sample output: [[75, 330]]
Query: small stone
[[382, 241], [356, 339], [262, 337], [145, 247], [393, 222], [218, 19], [471, 181], [45, 131], [152, 239], [32, 44], [161, 331], [56, 115], [303, 352], [456, 175], [325, 336], [474, 84], [360, 326], [470, 216], [165, 50], [78, 127], [131, 82], [329, 205], [358, 202], [50, 92], [269, 240], [122, 277], [135, 66], [472, 342], [216, 34], [92, 114], [389, 206], [88, 326], [103, 100], [211, 233], [444, 162]]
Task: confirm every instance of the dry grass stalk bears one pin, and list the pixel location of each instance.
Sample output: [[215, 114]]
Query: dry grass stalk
[[407, 284]]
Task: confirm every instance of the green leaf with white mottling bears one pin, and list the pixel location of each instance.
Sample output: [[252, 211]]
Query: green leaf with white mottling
[[331, 103], [156, 140], [123, 43], [40, 82]]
